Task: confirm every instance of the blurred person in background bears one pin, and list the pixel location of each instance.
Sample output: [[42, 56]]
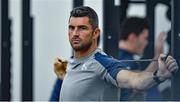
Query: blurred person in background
[[133, 41]]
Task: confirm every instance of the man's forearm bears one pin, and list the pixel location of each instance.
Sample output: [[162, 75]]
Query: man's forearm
[[135, 80], [153, 66]]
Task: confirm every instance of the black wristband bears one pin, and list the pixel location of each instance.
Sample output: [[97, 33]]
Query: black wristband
[[156, 78]]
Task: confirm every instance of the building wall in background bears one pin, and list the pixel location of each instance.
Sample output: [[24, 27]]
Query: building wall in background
[[50, 41], [15, 16]]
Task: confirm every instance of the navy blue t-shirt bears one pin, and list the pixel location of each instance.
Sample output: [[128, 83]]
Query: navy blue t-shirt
[[125, 55]]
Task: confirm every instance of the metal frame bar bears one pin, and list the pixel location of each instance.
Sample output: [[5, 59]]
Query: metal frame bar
[[27, 52], [111, 27], [5, 52], [137, 1], [77, 3], [175, 38]]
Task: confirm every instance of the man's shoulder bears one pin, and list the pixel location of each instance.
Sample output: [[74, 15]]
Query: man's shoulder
[[103, 57]]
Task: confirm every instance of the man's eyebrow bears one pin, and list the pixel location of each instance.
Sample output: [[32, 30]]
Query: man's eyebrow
[[82, 25], [79, 26], [70, 26]]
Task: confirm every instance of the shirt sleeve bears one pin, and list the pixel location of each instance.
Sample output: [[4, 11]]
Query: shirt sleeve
[[56, 91], [110, 67]]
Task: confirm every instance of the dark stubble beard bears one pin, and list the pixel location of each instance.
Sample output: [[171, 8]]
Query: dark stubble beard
[[82, 47]]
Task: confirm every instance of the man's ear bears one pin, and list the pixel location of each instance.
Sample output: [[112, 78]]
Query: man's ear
[[132, 37], [96, 33]]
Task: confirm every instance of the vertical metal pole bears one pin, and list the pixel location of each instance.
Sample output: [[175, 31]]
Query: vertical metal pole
[[175, 38], [111, 27], [5, 52], [77, 3], [27, 52]]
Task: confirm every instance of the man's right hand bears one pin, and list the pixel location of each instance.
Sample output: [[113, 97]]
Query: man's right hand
[[60, 66]]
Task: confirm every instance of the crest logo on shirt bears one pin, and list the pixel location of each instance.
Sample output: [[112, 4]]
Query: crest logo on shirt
[[84, 67]]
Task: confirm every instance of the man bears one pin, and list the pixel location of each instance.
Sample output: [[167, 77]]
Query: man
[[133, 40], [91, 75]]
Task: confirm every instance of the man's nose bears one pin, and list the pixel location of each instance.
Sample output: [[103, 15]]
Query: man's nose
[[75, 32]]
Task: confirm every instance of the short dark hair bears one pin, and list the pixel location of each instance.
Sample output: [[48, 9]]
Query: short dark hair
[[85, 11], [133, 25]]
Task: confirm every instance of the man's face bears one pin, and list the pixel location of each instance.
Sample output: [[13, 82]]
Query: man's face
[[80, 33], [141, 42]]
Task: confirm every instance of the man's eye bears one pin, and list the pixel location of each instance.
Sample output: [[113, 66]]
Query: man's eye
[[83, 28], [71, 28]]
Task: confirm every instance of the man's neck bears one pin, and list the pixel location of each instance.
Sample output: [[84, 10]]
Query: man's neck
[[80, 54], [126, 46]]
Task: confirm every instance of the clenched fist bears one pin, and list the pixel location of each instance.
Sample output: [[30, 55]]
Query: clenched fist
[[166, 67], [60, 66]]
